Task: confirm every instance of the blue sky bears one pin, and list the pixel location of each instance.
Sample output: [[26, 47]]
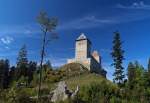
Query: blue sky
[[98, 19]]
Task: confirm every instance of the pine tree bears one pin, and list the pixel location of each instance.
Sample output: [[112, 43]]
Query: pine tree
[[148, 73], [6, 73], [22, 63], [117, 55], [2, 74], [49, 66], [4, 70], [12, 76], [131, 74], [31, 69]]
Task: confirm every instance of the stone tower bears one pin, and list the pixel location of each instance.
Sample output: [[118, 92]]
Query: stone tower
[[82, 47], [96, 56], [83, 55]]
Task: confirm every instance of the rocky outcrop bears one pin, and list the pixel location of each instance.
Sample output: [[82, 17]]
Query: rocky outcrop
[[62, 92]]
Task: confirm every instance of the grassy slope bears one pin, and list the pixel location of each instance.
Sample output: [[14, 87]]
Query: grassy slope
[[85, 80], [77, 74]]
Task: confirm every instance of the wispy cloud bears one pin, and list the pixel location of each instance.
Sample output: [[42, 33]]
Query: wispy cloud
[[20, 30], [90, 20], [84, 22], [6, 40], [135, 5], [6, 47], [100, 21]]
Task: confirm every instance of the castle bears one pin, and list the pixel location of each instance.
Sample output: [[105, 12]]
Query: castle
[[83, 55]]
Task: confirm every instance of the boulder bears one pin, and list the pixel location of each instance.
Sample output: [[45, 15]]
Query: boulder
[[62, 92]]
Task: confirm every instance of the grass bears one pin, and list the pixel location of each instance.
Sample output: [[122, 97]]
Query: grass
[[85, 80]]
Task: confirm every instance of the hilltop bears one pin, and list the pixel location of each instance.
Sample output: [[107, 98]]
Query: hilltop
[[77, 74], [90, 84], [73, 69]]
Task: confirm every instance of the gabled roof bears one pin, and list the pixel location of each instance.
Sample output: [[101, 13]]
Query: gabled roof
[[81, 37]]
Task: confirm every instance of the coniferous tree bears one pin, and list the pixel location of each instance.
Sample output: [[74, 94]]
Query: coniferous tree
[[131, 74], [6, 73], [12, 75], [139, 70], [2, 73], [47, 68], [117, 55], [4, 70], [31, 69], [22, 63], [49, 65], [148, 73]]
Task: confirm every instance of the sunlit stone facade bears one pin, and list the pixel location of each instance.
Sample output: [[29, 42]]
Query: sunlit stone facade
[[84, 56]]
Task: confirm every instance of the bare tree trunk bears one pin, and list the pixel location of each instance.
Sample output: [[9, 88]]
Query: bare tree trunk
[[41, 66]]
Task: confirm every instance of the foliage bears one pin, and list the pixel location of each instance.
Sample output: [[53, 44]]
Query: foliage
[[16, 95], [47, 26], [117, 55], [137, 84], [22, 63], [93, 88], [72, 70], [131, 74], [11, 75], [32, 66], [4, 72]]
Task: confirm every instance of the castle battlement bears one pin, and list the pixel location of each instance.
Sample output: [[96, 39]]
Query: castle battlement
[[83, 55]]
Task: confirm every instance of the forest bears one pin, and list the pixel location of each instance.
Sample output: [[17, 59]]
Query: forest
[[20, 82], [29, 81]]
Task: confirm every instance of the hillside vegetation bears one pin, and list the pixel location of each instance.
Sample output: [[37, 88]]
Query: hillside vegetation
[[74, 74], [93, 88], [85, 80], [73, 69]]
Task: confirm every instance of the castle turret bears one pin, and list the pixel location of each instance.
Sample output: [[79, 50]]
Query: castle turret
[[83, 47], [83, 56], [96, 56]]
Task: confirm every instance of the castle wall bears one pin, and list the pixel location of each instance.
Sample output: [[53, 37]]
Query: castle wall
[[96, 56], [82, 49], [85, 62], [95, 66], [89, 63], [83, 56]]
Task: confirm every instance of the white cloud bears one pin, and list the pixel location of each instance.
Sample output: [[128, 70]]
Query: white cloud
[[85, 22], [6, 47], [6, 40], [135, 5], [21, 30], [93, 21]]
